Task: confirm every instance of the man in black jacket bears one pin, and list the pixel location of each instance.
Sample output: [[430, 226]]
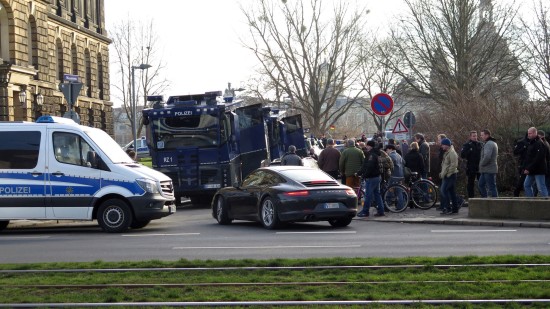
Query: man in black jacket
[[520, 150], [471, 152], [370, 172], [542, 137], [535, 165]]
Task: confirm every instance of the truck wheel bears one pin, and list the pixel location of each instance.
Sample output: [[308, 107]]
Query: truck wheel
[[222, 215], [139, 224], [4, 224], [201, 200], [268, 214], [114, 216], [195, 200]]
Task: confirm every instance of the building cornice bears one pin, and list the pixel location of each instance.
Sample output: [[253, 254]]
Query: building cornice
[[72, 25]]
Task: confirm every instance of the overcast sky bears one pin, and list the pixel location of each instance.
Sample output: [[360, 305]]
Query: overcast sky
[[200, 39]]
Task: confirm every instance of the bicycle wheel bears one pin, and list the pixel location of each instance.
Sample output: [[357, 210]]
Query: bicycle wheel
[[424, 194], [396, 198]]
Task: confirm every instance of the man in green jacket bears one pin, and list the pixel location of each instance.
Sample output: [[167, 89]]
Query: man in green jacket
[[449, 171], [350, 163]]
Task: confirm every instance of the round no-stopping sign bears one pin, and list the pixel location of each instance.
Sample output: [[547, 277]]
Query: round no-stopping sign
[[382, 104]]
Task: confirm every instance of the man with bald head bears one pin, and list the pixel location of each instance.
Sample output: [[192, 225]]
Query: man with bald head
[[535, 164]]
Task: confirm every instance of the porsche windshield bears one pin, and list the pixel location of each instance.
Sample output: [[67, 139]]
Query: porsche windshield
[[185, 131]]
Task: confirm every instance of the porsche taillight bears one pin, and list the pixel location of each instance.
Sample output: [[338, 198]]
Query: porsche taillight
[[297, 193]]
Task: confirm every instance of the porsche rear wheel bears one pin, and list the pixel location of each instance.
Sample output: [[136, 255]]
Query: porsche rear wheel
[[268, 214]]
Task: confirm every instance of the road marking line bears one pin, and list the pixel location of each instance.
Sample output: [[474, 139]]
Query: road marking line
[[266, 247], [348, 232], [24, 237], [470, 231], [148, 235]]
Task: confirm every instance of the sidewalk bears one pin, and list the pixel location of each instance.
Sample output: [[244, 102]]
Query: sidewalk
[[432, 216]]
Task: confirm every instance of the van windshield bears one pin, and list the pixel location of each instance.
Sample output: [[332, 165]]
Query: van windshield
[[108, 146]]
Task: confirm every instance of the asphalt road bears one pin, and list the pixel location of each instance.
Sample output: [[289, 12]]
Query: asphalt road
[[193, 234]]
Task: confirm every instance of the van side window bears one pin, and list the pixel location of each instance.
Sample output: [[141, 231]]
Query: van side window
[[19, 149], [70, 148]]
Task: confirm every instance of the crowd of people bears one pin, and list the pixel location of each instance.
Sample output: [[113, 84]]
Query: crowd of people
[[370, 160]]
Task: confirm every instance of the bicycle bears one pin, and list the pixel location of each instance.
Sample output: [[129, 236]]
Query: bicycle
[[423, 192], [395, 196]]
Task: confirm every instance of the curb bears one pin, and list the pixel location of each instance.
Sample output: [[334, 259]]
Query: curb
[[464, 221]]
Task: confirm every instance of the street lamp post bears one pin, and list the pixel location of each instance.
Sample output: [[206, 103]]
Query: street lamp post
[[142, 66]]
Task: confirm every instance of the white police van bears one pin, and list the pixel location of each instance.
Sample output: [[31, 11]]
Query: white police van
[[57, 169]]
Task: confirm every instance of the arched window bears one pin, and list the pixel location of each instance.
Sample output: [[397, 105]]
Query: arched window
[[74, 57], [33, 37], [4, 34], [59, 50], [100, 75], [29, 38], [88, 61]]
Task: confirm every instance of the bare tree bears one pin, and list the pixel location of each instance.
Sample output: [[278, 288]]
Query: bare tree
[[457, 57], [136, 44], [307, 56], [535, 45]]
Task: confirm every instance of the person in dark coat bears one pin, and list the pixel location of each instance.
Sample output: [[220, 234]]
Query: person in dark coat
[[329, 159], [471, 152], [414, 160], [542, 137], [535, 165], [370, 172], [424, 149], [291, 158], [520, 150]]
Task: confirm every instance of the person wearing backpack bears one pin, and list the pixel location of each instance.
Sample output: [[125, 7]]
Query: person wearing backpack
[[397, 175], [370, 171], [386, 164]]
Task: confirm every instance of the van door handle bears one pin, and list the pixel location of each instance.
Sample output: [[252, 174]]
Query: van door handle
[[35, 174], [58, 174]]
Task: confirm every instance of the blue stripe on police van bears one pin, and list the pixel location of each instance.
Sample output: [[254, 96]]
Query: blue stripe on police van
[[70, 186]]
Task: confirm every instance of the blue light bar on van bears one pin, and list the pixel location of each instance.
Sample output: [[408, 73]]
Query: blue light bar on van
[[54, 119], [155, 98]]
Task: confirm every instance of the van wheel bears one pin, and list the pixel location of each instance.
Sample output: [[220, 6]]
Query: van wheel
[[139, 224], [4, 224], [114, 216]]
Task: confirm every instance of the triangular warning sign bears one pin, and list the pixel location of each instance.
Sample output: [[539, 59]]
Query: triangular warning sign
[[400, 127]]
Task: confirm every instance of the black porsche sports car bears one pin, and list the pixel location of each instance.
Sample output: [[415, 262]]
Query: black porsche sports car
[[276, 194]]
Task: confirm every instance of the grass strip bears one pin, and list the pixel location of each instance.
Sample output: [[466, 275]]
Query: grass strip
[[394, 283]]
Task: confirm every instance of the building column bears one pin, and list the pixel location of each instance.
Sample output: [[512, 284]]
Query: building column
[[5, 74]]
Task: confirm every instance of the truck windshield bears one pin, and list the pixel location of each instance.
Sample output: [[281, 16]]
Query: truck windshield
[[108, 146], [184, 131]]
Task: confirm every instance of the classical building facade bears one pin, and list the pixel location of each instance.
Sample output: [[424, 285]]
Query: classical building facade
[[43, 40]]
